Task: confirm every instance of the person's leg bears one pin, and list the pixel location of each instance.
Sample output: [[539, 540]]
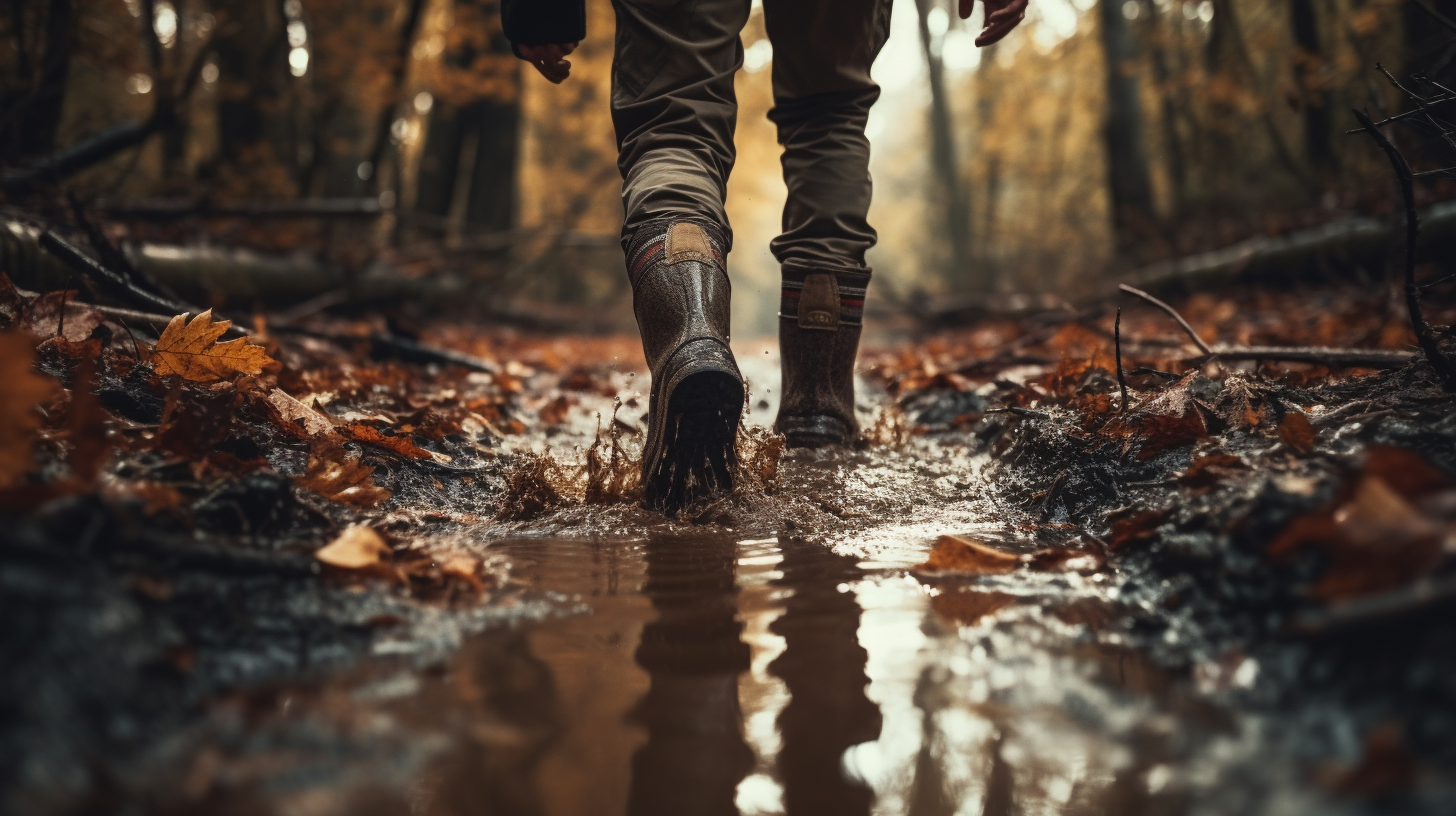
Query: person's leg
[[823, 50], [674, 109]]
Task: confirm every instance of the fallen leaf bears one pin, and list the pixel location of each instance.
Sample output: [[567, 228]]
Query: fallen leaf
[[466, 569], [191, 351], [313, 422], [56, 313], [1296, 432], [1386, 766], [399, 444], [336, 474], [1169, 420], [960, 554], [1374, 538], [1206, 471], [555, 411], [357, 548], [23, 390]]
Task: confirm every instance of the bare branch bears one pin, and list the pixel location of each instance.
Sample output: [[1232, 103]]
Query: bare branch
[[1444, 369], [1173, 313]]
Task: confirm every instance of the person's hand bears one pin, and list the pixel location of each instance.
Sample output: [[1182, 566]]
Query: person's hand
[[1001, 17], [550, 59]]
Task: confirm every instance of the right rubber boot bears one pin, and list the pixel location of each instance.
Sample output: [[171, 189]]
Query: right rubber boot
[[819, 329], [680, 294]]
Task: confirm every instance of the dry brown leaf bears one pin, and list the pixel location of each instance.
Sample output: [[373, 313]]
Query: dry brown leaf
[[960, 554], [191, 350], [313, 421], [22, 391], [465, 568], [357, 548]]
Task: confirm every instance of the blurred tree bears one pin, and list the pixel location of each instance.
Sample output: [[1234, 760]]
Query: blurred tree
[[1309, 65], [955, 203], [33, 74], [467, 172], [1127, 153], [257, 139]]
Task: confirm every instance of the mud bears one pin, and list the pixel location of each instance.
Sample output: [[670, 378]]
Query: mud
[[785, 649]]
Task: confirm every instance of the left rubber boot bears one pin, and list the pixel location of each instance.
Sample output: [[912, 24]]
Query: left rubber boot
[[681, 294], [819, 330]]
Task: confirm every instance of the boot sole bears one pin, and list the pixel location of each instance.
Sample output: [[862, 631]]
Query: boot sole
[[696, 434], [814, 432]]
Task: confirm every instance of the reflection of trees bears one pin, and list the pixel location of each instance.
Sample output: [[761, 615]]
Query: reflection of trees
[[823, 666], [695, 754]]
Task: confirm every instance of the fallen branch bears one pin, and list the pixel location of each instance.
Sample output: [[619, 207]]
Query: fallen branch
[[172, 209], [108, 280], [1427, 341], [1333, 357]]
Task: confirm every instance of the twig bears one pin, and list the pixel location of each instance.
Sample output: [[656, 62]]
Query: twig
[[1420, 103], [1173, 313], [1117, 341], [1364, 358], [1021, 412], [110, 280], [1444, 369]]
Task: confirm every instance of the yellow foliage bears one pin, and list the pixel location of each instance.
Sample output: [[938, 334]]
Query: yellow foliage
[[191, 351]]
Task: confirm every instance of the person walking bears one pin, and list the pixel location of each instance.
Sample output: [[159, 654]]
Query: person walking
[[674, 110]]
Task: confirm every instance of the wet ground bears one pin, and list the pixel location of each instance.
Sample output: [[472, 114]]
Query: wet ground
[[779, 652]]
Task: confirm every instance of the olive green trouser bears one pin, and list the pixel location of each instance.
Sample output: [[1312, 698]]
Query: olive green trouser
[[674, 110]]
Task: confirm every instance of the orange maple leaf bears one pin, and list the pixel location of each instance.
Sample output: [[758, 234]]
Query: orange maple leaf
[[190, 350]]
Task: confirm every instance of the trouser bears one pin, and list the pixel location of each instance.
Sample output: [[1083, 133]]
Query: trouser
[[674, 110]]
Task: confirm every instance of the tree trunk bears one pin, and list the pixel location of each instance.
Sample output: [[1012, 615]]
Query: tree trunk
[[954, 202], [256, 148], [1127, 154], [1308, 61]]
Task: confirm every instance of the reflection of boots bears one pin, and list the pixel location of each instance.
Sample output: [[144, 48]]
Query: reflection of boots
[[819, 328], [680, 294]]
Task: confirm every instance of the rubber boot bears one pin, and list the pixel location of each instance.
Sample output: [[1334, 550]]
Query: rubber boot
[[819, 329], [680, 293]]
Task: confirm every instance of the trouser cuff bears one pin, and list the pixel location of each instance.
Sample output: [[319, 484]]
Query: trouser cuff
[[672, 240], [824, 299]]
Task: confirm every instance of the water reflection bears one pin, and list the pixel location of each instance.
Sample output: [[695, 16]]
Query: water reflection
[[823, 666], [778, 677], [695, 754]]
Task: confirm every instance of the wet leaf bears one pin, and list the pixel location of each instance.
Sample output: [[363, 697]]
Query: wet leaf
[[357, 548], [58, 313], [191, 350], [336, 474], [399, 444], [1211, 469], [1374, 540], [1386, 766], [23, 390], [953, 553], [1296, 432], [1169, 420]]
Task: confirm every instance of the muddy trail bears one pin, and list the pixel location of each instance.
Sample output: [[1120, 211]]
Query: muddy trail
[[343, 579]]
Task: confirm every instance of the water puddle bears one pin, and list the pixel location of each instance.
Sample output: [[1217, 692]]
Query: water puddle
[[768, 676]]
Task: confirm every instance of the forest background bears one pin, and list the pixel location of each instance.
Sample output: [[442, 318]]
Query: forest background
[[1098, 138]]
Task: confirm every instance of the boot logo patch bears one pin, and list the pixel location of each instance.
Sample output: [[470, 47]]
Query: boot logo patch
[[687, 241], [819, 302]]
